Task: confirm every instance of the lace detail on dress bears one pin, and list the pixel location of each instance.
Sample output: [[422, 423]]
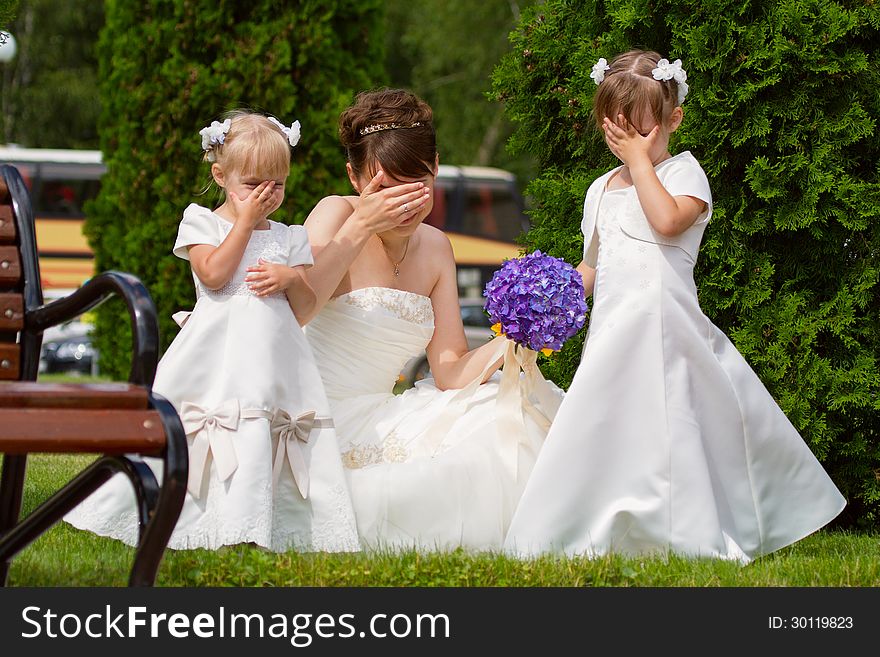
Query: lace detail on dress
[[339, 534], [408, 306], [263, 244], [391, 450], [121, 526], [233, 288]]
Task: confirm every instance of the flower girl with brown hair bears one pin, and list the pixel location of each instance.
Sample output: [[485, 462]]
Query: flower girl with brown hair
[[667, 441]]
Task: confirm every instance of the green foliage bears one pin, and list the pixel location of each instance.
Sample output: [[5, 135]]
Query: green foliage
[[47, 93], [8, 10], [782, 115], [166, 70], [448, 60]]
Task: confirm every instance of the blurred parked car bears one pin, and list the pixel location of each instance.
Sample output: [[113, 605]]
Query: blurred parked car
[[477, 330], [69, 349]]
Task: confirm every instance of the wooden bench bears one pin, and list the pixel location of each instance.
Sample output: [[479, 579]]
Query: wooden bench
[[122, 421]]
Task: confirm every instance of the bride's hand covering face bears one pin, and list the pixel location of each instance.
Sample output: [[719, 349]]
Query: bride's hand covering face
[[385, 203], [378, 239]]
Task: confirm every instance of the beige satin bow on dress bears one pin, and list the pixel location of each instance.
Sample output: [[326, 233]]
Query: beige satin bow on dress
[[213, 437], [290, 433], [212, 431]]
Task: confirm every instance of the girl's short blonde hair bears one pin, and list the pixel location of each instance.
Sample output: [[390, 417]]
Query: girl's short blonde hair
[[629, 86], [253, 147]]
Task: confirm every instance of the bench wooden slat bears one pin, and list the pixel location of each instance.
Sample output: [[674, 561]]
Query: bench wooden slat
[[26, 430], [110, 396], [7, 225], [11, 312], [10, 361], [10, 266]]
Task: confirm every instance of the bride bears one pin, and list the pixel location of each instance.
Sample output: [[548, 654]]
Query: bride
[[443, 464]]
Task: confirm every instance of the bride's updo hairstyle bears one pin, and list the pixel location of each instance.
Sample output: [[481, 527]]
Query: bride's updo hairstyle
[[392, 129], [629, 85]]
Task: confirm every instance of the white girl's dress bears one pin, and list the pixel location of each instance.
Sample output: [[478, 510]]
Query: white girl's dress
[[667, 441], [243, 379], [427, 469]]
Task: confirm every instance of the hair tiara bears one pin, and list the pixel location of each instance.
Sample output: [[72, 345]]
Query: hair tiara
[[664, 71], [377, 127]]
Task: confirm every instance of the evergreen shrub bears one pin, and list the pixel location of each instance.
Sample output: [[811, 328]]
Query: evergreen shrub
[[167, 69]]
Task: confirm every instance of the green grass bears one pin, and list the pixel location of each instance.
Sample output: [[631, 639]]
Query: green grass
[[71, 377], [65, 556]]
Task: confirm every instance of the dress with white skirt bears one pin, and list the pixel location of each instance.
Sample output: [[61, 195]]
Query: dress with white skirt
[[667, 441], [263, 457], [427, 469]]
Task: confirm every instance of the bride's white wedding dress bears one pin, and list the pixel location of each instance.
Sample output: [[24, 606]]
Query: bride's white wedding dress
[[426, 469]]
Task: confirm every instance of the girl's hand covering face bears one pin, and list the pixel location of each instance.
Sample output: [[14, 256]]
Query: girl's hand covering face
[[625, 141], [254, 207]]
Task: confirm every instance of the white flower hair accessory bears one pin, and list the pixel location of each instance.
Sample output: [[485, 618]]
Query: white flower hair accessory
[[213, 135], [292, 132], [667, 71], [599, 69]]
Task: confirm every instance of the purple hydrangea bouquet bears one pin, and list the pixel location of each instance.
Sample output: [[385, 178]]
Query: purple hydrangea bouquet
[[537, 301]]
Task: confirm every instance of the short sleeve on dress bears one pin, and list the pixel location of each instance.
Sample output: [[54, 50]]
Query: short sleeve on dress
[[685, 177], [198, 226], [299, 250], [588, 223]]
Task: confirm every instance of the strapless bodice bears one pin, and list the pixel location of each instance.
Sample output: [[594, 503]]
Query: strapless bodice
[[363, 338]]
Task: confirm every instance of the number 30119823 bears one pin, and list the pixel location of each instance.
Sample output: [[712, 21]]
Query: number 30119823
[[810, 623]]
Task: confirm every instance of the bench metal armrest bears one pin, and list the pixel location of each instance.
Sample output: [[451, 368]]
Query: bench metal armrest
[[141, 309]]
